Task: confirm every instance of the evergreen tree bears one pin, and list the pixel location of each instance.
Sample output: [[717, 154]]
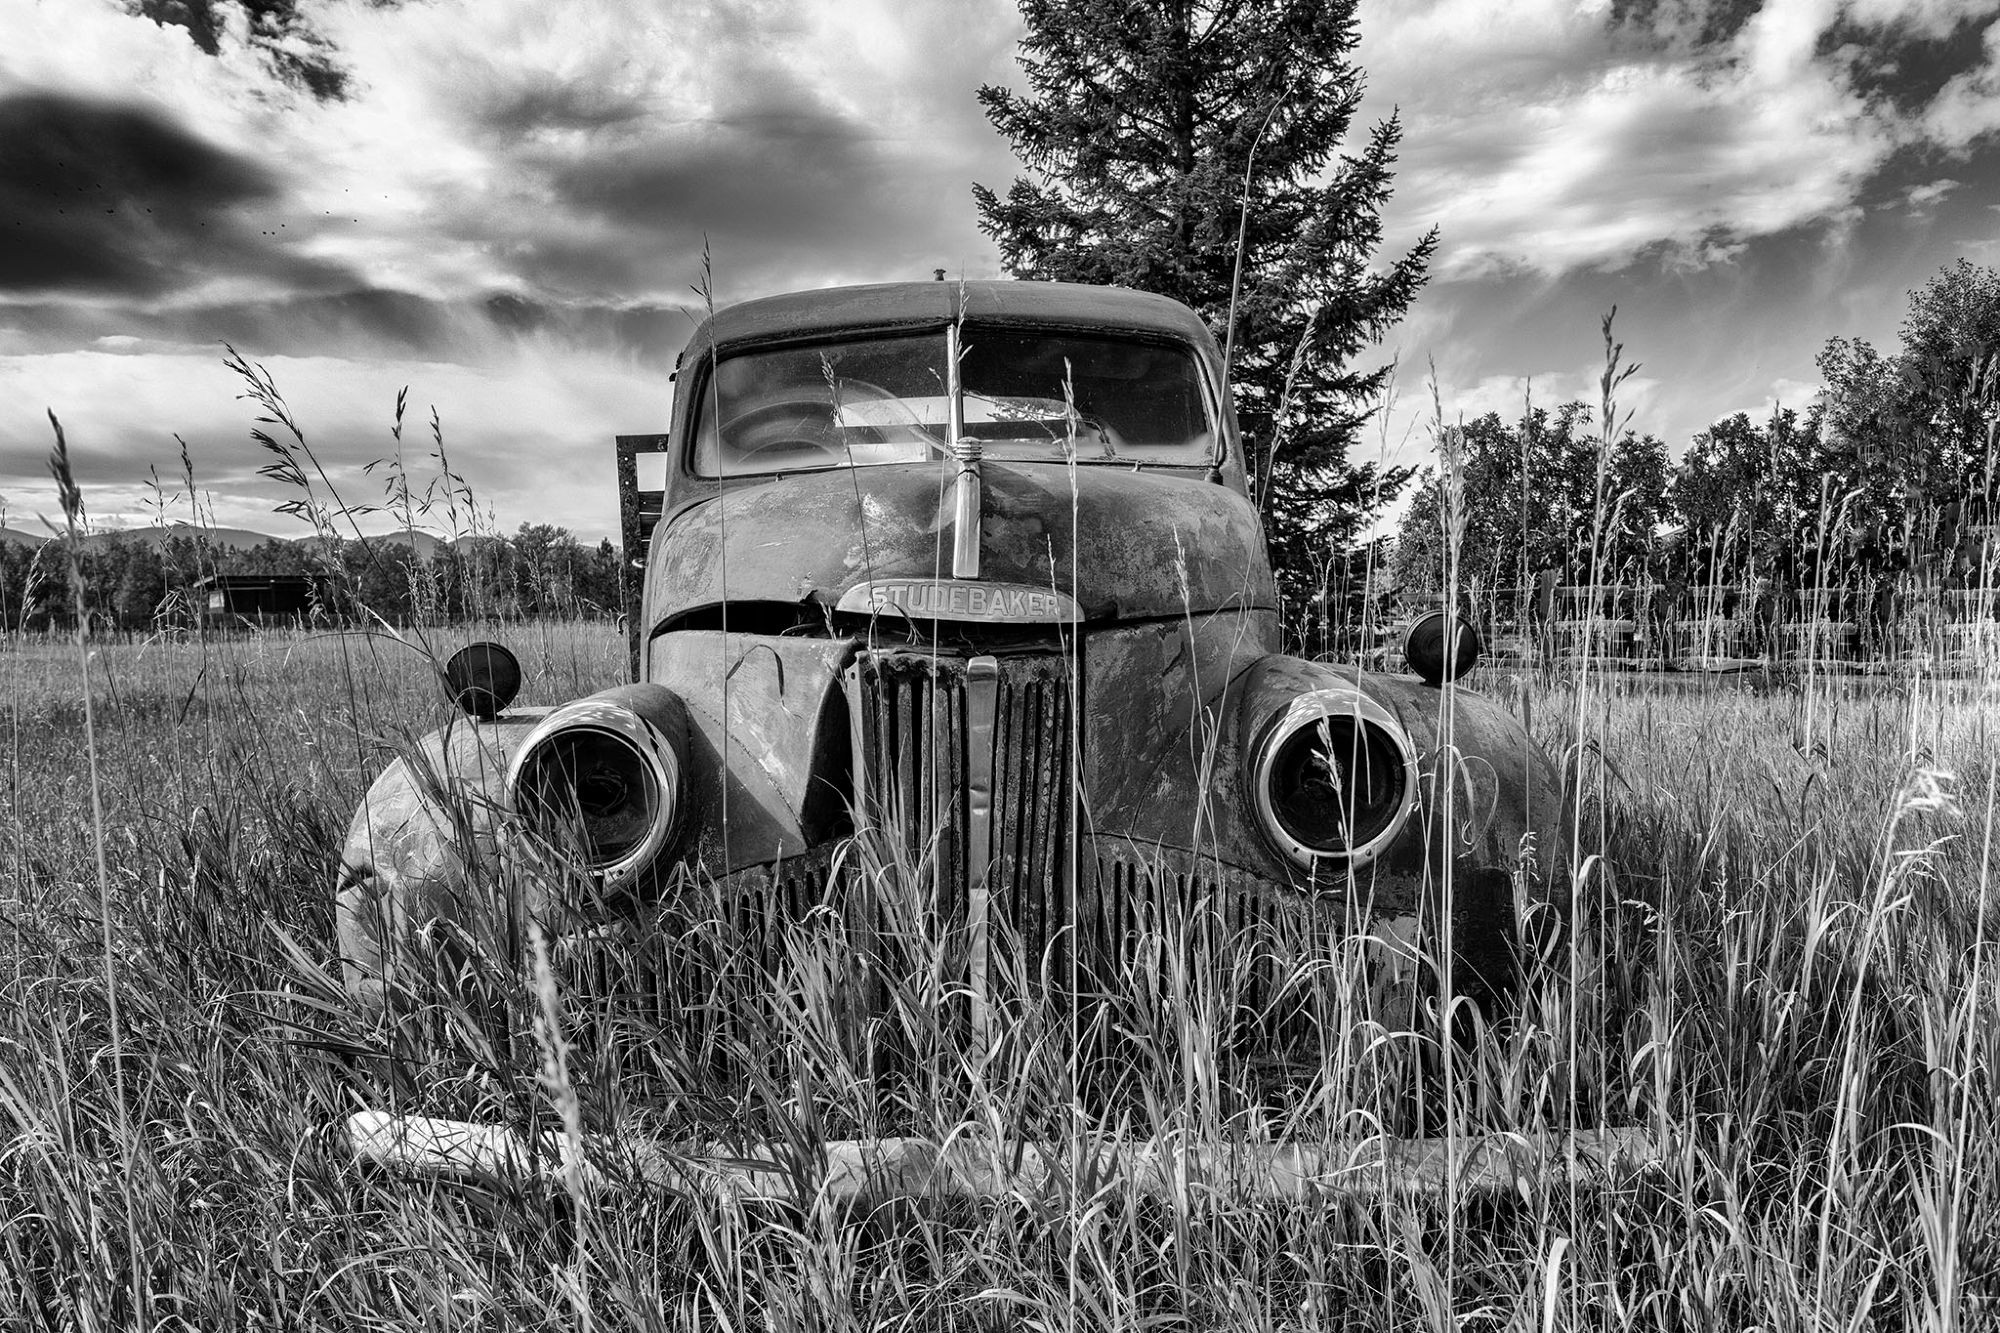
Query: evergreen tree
[[1144, 120]]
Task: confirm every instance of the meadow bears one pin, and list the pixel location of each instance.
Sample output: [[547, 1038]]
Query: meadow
[[1782, 970]]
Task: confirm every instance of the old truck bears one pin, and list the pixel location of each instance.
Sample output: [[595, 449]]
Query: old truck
[[970, 568]]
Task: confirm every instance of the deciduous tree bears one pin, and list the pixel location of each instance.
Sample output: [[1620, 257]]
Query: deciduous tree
[[1527, 499], [1917, 427]]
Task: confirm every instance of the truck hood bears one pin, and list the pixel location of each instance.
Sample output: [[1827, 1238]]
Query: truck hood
[[1125, 544]]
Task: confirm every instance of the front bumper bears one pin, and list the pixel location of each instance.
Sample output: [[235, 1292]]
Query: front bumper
[[974, 1166]]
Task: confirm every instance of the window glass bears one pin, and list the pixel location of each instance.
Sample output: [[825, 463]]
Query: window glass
[[1029, 396], [857, 402], [1042, 395]]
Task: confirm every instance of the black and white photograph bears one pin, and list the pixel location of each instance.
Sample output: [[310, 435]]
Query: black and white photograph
[[1064, 665]]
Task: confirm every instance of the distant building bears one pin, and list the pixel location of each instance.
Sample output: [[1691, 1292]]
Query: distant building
[[260, 598]]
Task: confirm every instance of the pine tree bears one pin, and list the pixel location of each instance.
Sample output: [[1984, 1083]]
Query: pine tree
[[1143, 122]]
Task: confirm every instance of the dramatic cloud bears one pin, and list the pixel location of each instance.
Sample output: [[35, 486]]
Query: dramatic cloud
[[506, 205], [1741, 179], [588, 154], [102, 198], [530, 429], [365, 324], [581, 154], [1547, 136]]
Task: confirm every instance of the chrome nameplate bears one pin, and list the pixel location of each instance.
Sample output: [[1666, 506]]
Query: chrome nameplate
[[952, 599]]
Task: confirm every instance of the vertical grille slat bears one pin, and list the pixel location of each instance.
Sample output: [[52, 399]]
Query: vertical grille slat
[[907, 754], [955, 798], [1035, 897], [1048, 803], [1020, 878], [1013, 827]]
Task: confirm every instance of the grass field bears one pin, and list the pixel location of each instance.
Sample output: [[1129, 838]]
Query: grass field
[[1786, 974]]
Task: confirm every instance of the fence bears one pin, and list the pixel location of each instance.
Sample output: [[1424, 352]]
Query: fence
[[1724, 624]]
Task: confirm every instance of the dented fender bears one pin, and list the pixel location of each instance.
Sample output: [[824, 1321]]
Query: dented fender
[[1488, 799], [434, 860], [425, 845], [1485, 839]]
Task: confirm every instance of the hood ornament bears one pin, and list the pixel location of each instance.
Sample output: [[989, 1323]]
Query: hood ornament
[[965, 493]]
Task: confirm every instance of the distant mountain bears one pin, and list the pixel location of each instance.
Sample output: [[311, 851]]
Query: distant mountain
[[233, 539], [422, 543]]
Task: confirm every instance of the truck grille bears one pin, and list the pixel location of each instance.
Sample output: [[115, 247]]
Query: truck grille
[[911, 716], [1066, 914], [1223, 918]]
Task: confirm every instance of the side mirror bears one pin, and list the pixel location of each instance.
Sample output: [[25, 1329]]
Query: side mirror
[[1441, 647], [482, 679]]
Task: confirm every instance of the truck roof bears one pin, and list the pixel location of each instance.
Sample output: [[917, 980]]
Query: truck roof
[[896, 305]]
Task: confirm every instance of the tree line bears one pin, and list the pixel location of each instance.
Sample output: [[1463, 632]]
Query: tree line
[[1888, 475], [138, 586]]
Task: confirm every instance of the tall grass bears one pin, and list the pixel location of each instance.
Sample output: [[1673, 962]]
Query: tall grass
[[1793, 993], [1780, 966]]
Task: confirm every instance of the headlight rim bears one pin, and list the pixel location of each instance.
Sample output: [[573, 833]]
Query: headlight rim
[[1347, 702], [626, 727]]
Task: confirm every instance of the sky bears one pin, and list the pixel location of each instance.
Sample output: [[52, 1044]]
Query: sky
[[510, 208]]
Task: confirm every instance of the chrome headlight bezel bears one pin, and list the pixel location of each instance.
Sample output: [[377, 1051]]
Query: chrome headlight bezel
[[1321, 708], [659, 766]]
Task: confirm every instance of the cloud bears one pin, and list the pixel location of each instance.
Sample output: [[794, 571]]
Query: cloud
[[1546, 136], [1914, 20], [1921, 198], [580, 153], [531, 430], [106, 198], [1687, 25], [506, 209], [1967, 109], [362, 324], [1796, 395], [585, 154], [1407, 434]]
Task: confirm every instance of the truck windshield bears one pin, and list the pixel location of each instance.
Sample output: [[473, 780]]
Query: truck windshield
[[1029, 396]]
